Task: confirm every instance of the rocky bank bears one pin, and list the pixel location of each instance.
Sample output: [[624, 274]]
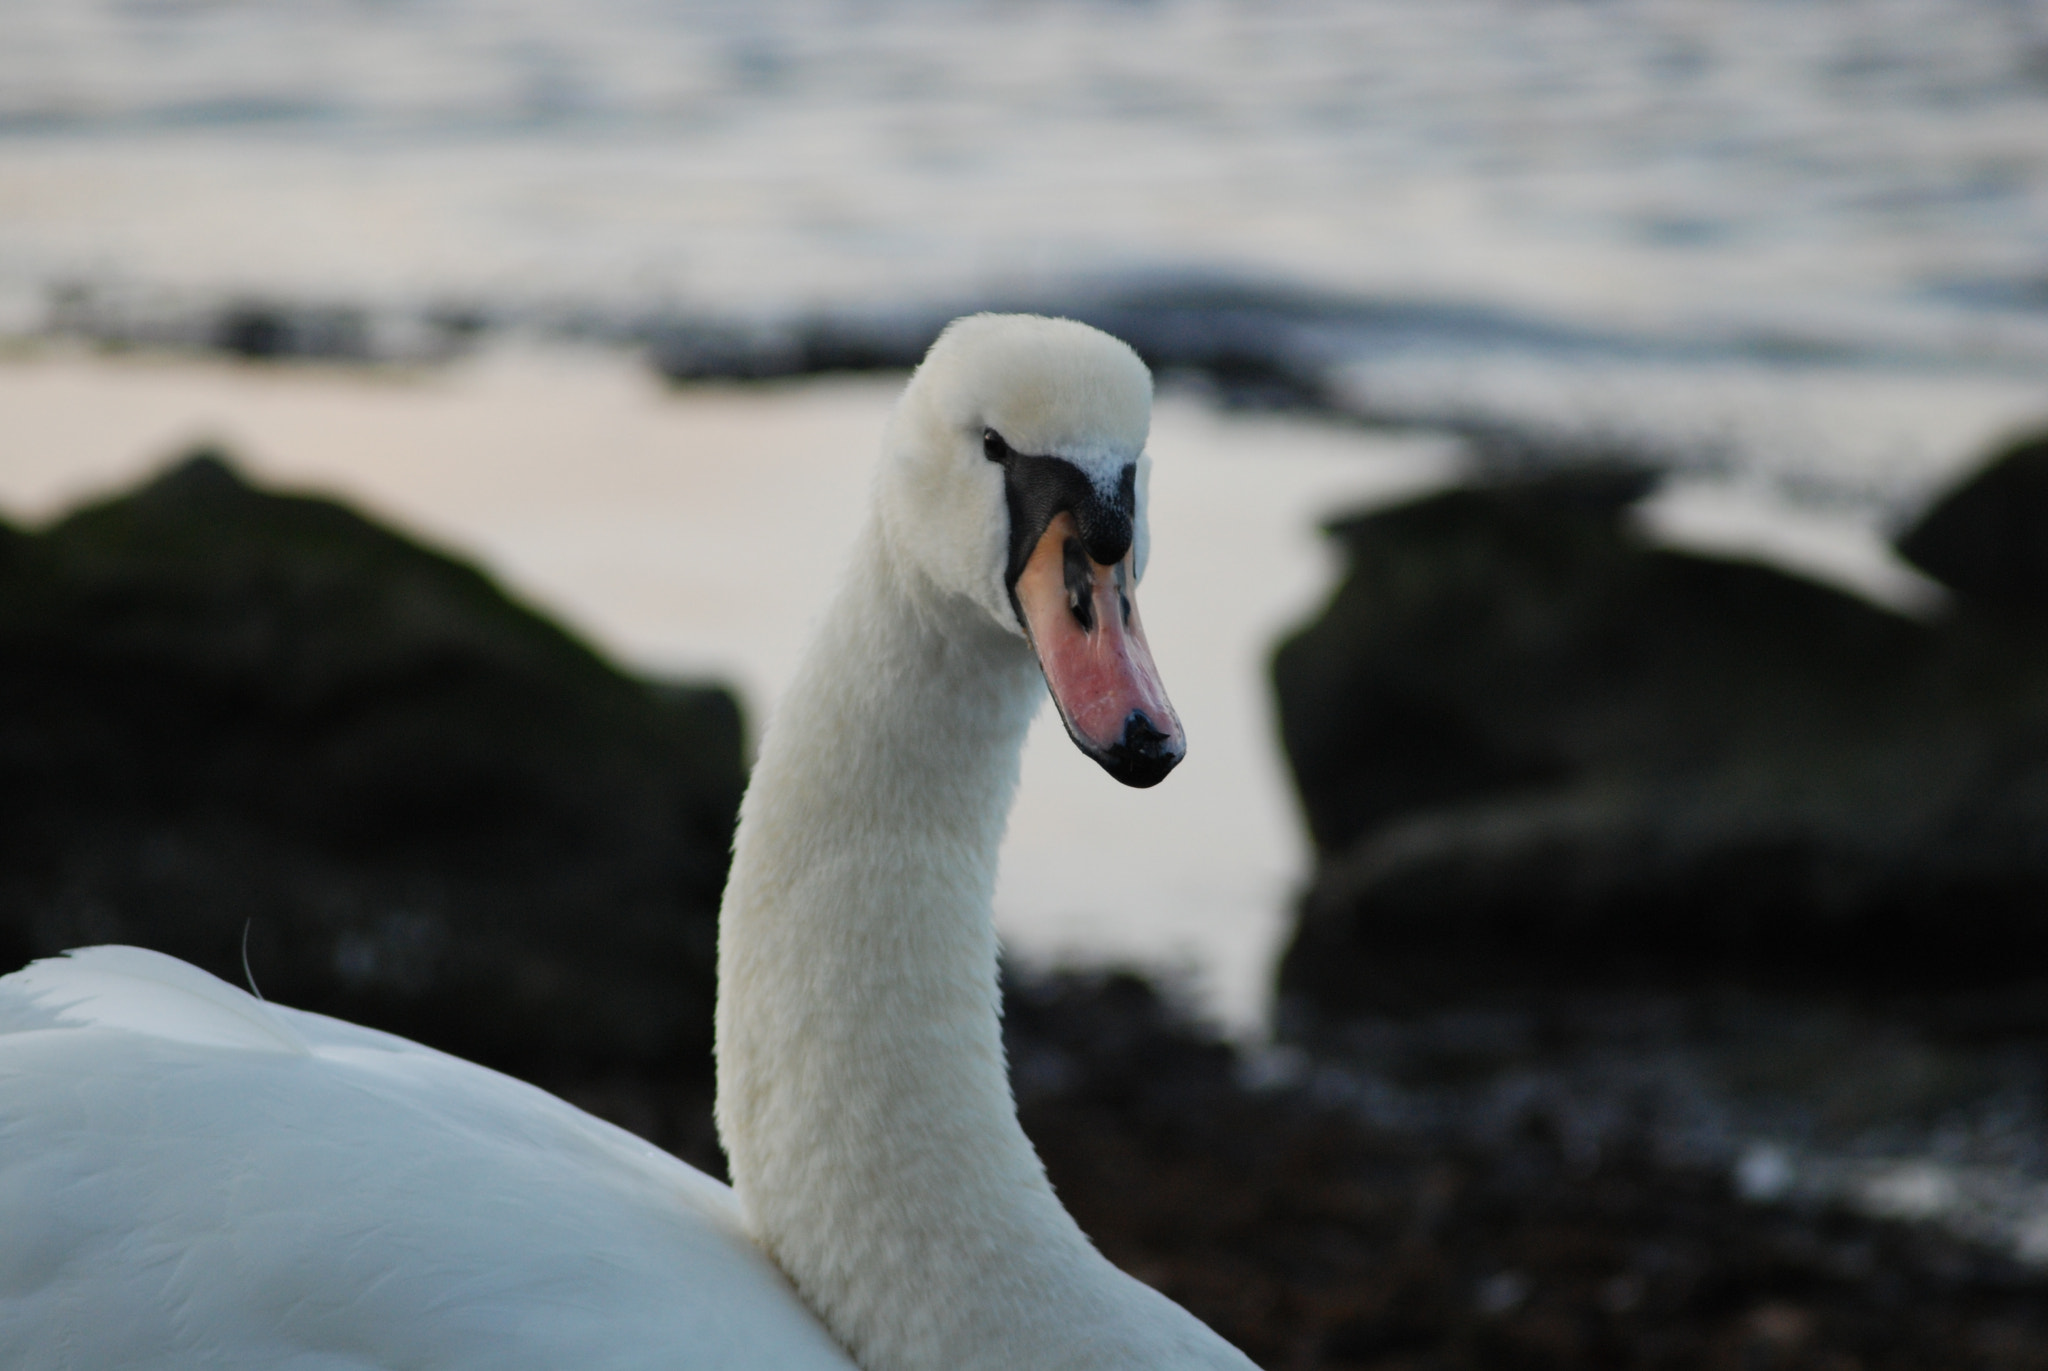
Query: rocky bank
[[240, 722], [1535, 750]]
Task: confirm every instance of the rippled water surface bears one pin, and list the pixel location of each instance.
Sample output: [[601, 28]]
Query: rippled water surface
[[1804, 164], [1770, 185]]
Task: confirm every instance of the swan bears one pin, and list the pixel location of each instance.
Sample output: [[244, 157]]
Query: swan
[[192, 1177]]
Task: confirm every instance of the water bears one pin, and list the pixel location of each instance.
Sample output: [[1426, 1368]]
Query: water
[[1706, 164], [1715, 185]]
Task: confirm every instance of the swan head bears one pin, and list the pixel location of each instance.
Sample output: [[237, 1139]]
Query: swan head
[[1015, 475]]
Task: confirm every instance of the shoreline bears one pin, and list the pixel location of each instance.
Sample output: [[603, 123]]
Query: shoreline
[[690, 530], [694, 531], [1864, 411]]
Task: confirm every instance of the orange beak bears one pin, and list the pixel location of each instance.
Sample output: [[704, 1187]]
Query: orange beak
[[1082, 623]]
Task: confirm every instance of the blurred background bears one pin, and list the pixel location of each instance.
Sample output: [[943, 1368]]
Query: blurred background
[[1601, 919]]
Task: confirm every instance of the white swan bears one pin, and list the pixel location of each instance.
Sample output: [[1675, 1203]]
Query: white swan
[[192, 1178]]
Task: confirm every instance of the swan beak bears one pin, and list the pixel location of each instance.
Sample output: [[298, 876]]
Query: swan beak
[[1081, 621]]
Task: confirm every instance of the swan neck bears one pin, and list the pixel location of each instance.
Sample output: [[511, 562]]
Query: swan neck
[[863, 1098]]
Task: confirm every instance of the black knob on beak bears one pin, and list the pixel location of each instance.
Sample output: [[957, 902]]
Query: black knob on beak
[[1144, 754]]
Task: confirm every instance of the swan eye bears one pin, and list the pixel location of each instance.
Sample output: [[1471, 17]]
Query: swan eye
[[993, 447]]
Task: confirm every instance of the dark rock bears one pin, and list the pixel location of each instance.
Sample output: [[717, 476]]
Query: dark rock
[[1987, 540], [1254, 347], [1536, 752], [431, 809], [263, 330]]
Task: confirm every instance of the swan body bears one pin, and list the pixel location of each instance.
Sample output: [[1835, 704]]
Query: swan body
[[190, 1177]]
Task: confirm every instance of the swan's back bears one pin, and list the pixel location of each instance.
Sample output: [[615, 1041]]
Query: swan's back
[[194, 1178]]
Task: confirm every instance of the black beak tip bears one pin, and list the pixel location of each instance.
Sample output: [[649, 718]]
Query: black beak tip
[[1143, 755]]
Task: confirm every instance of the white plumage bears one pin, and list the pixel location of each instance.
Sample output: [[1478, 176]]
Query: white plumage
[[192, 1178]]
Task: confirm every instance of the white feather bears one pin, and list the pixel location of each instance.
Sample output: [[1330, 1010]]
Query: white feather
[[142, 991], [205, 1197]]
